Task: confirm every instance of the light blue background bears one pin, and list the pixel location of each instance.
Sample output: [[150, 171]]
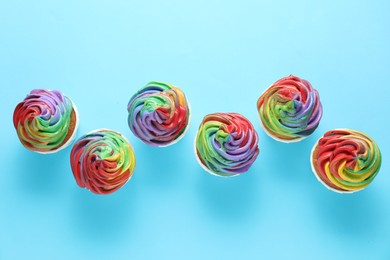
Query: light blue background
[[223, 54]]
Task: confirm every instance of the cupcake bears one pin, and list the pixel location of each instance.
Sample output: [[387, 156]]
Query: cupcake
[[345, 160], [226, 144], [290, 109], [159, 114], [45, 121], [102, 161]]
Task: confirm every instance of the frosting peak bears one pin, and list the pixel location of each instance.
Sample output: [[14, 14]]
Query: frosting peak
[[45, 120], [290, 109], [346, 160], [226, 144], [102, 161], [158, 114]]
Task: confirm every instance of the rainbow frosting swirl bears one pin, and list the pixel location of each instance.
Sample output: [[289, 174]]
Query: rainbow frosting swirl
[[290, 109], [102, 161], [158, 114], [45, 121], [346, 160], [226, 144]]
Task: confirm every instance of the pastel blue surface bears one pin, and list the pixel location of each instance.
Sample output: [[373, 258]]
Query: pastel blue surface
[[223, 54]]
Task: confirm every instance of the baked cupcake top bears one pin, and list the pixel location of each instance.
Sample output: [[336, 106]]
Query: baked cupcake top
[[45, 121], [102, 161], [226, 144], [346, 160], [158, 114], [290, 109]]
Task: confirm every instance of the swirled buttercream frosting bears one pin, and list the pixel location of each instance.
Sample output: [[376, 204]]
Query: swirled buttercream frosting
[[226, 144], [102, 161], [290, 109], [158, 114], [45, 121], [345, 160]]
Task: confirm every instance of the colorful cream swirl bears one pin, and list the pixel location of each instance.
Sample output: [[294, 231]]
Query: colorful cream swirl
[[158, 114], [45, 121], [102, 161], [346, 160], [226, 144], [290, 109]]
